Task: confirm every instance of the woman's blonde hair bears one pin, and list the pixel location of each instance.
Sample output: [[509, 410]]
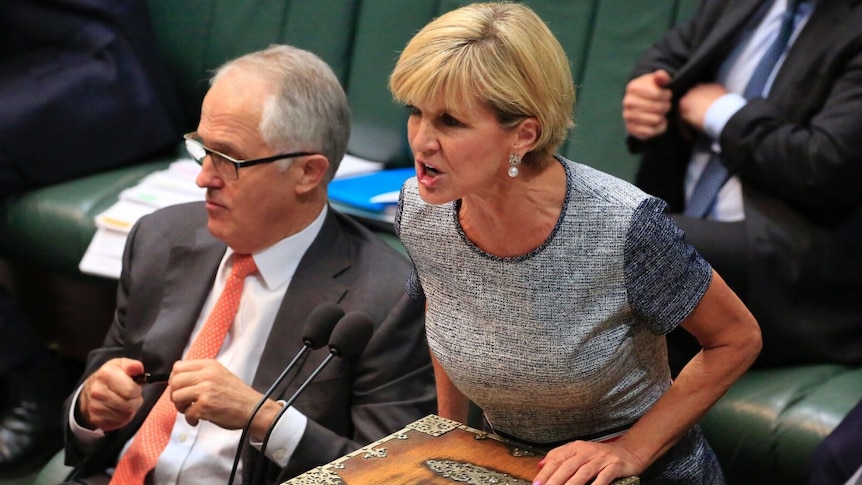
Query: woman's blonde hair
[[501, 54]]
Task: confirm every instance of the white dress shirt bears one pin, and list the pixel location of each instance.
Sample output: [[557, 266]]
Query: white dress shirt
[[204, 454]]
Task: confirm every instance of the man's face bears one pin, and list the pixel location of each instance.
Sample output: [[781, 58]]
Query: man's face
[[254, 211]]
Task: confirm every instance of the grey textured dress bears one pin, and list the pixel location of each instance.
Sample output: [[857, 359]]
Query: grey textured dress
[[565, 342]]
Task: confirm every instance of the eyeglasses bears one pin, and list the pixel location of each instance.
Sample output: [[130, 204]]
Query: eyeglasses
[[228, 167]]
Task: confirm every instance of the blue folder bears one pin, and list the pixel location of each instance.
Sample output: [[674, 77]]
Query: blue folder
[[359, 190]]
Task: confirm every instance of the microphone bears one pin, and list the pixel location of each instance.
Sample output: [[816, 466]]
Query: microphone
[[318, 328], [349, 339]]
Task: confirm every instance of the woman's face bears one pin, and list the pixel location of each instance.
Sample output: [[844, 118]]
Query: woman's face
[[458, 152]]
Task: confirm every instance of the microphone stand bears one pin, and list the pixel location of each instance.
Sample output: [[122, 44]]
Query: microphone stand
[[349, 338], [318, 327]]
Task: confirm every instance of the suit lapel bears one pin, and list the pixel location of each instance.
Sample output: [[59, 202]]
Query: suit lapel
[[193, 269], [313, 283], [827, 21], [719, 41], [800, 83]]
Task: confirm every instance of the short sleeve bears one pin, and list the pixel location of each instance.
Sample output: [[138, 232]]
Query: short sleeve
[[665, 276]]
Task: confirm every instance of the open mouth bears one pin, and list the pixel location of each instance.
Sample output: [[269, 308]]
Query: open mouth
[[427, 175], [430, 171]]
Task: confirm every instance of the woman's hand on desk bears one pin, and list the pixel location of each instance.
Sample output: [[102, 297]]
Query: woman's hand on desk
[[582, 462]]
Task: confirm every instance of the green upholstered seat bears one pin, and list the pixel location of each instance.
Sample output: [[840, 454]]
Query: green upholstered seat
[[52, 227], [383, 27], [765, 428]]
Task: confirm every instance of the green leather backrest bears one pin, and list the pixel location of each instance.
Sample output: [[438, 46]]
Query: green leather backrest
[[621, 30], [51, 227], [197, 36], [765, 429], [379, 125], [602, 39], [361, 40], [617, 34]]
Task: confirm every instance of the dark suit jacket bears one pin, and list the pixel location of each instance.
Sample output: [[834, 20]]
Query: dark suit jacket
[[799, 157], [83, 89], [168, 269]]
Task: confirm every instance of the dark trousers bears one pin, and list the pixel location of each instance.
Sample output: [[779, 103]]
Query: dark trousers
[[102, 479], [838, 456], [19, 344]]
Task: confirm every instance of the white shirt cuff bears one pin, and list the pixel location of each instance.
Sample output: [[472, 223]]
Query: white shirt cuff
[[720, 111], [87, 437], [285, 436]]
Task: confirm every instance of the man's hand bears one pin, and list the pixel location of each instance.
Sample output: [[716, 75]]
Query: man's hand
[[694, 104], [110, 398], [646, 104], [205, 389]]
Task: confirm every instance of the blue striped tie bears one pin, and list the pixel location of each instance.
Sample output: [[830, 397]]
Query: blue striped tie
[[715, 174]]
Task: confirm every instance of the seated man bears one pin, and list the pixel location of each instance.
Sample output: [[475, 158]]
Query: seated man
[[747, 117], [274, 127]]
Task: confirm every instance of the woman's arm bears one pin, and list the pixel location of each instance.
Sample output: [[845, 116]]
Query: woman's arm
[[730, 341], [451, 403], [730, 338]]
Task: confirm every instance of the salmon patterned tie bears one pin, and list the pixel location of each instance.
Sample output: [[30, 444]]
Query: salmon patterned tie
[[155, 433]]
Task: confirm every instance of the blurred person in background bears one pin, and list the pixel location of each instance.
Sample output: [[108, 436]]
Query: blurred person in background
[[82, 89], [748, 121]]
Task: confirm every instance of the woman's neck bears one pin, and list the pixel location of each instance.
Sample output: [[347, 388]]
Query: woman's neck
[[518, 218]]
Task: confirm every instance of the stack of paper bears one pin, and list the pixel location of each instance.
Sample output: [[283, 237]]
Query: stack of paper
[[174, 185]]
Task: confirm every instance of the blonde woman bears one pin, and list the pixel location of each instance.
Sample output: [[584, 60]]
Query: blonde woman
[[550, 285]]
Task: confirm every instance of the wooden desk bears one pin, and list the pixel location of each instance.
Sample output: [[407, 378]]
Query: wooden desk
[[432, 451]]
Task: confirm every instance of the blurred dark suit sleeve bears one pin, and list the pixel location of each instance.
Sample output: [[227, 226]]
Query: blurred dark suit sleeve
[[83, 89]]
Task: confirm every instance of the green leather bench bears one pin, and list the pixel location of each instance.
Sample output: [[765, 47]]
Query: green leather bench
[[765, 428]]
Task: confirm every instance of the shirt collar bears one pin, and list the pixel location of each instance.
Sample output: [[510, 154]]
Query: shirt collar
[[277, 263]]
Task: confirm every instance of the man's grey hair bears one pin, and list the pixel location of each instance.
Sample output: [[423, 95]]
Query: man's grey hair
[[307, 110]]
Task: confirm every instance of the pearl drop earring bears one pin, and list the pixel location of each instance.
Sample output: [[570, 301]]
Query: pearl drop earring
[[514, 161]]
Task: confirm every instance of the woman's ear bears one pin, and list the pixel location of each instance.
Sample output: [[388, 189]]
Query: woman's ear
[[312, 173], [527, 131]]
